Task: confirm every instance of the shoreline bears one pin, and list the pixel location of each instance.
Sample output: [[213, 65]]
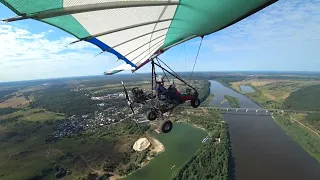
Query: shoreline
[[239, 92], [193, 125], [156, 148]]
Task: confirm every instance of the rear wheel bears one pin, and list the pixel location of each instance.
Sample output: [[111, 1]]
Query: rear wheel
[[195, 102], [166, 126], [195, 94], [152, 115]]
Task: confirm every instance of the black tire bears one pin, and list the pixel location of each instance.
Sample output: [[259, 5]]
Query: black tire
[[152, 115], [166, 126], [195, 102]]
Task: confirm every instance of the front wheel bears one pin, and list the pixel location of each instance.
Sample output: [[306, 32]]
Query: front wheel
[[152, 115], [195, 102], [166, 126]]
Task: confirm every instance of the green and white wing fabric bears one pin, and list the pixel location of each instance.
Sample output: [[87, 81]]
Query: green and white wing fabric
[[135, 30]]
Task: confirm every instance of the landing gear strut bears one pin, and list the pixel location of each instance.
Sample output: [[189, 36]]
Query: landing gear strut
[[152, 115]]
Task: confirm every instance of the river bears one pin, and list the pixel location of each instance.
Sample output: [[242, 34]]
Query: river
[[260, 148], [219, 91], [180, 145]]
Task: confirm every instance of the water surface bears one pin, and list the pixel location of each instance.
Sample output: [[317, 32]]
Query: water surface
[[180, 145], [261, 149], [219, 91], [246, 89]]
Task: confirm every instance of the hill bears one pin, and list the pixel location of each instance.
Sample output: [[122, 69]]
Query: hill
[[306, 98]]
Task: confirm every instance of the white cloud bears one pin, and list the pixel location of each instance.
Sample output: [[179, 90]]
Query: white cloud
[[281, 37], [20, 44], [25, 55], [283, 23], [285, 33]]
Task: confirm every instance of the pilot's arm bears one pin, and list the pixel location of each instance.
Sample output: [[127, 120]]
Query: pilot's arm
[[162, 89]]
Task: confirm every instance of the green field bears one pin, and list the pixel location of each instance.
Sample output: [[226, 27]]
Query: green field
[[271, 93], [34, 115]]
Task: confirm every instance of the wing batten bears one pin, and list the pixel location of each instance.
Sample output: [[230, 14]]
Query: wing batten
[[136, 30], [87, 8]]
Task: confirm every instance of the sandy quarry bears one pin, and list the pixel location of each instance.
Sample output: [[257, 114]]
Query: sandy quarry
[[150, 142], [141, 144]]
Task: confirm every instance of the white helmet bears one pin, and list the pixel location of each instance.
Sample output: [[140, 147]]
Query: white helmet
[[172, 83], [159, 79]]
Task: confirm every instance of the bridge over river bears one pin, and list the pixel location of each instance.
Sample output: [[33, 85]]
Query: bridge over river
[[235, 111], [245, 111]]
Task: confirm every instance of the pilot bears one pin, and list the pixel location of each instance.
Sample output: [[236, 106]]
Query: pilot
[[162, 92]]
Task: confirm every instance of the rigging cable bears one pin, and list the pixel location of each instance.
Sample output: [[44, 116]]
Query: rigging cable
[[164, 72], [185, 58], [195, 62], [168, 67]]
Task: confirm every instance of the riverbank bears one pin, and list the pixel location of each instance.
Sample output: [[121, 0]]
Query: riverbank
[[309, 141], [214, 166], [301, 133], [180, 146], [225, 84], [155, 149], [257, 139]]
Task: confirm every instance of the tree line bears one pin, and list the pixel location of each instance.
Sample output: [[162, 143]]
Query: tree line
[[8, 110], [212, 160], [309, 141]]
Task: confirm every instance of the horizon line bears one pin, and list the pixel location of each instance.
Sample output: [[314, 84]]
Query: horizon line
[[128, 73]]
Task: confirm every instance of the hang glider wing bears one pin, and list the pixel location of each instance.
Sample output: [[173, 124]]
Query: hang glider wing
[[135, 30]]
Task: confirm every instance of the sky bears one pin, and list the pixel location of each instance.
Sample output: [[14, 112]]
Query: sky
[[282, 37]]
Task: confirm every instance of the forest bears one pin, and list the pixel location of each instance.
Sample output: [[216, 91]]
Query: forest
[[62, 100], [4, 95], [8, 110], [204, 92], [314, 120], [309, 141], [108, 149], [233, 102], [212, 160], [306, 98]]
